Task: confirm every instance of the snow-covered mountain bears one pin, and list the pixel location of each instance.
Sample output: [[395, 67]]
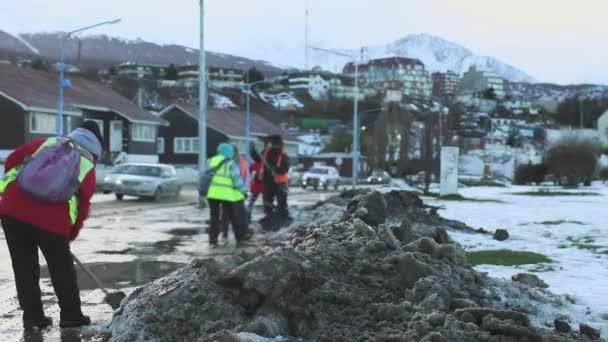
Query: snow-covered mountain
[[102, 51], [436, 53]]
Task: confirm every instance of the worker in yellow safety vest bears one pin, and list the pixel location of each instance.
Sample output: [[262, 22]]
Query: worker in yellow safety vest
[[227, 193]]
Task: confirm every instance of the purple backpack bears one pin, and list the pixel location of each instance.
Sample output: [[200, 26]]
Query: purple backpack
[[51, 175]]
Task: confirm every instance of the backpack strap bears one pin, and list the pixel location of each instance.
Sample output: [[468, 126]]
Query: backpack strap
[[217, 167]]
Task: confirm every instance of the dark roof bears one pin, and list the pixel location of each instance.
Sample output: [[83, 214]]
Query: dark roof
[[230, 122], [383, 62], [38, 89]]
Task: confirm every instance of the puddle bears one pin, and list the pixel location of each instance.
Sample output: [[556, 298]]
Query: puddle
[[185, 231], [181, 220], [122, 274], [119, 252], [64, 335]]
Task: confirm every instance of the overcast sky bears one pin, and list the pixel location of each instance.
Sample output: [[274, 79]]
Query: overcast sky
[[563, 41]]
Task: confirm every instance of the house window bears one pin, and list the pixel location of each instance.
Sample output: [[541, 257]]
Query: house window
[[160, 145], [185, 145], [43, 123], [143, 133]]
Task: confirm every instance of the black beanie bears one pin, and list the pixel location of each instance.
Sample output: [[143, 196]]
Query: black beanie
[[93, 128]]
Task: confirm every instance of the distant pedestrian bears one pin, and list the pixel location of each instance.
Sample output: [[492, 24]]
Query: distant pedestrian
[[257, 186], [275, 179], [226, 192], [46, 196]]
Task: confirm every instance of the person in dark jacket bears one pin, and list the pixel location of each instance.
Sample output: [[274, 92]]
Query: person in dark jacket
[[274, 177], [30, 225]]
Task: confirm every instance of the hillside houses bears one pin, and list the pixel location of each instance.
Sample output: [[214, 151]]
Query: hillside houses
[[28, 104]]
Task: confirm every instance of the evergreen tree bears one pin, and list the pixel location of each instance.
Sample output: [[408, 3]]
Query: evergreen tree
[[171, 73], [253, 75], [41, 65], [489, 94]]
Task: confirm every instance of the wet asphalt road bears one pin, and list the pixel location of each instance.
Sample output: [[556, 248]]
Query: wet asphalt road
[[126, 244]]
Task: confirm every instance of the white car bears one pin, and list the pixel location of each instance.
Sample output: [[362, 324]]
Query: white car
[[153, 181], [321, 176]]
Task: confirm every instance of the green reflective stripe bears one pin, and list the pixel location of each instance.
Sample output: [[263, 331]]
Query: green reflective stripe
[[47, 143], [73, 205], [222, 185], [85, 167], [10, 177]]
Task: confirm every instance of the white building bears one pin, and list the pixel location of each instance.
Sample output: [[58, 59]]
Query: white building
[[476, 81], [602, 124], [415, 80]]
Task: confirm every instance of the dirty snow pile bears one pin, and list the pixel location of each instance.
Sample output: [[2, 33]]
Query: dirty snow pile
[[385, 270]]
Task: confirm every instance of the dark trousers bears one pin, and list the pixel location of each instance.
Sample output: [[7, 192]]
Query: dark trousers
[[235, 215], [23, 241], [252, 199], [278, 191]]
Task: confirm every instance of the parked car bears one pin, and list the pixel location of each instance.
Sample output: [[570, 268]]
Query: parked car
[[379, 177], [107, 183], [153, 181], [321, 176], [295, 175]]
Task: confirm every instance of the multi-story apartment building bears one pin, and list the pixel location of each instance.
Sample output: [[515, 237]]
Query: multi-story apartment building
[[322, 85], [217, 77], [445, 84], [475, 81], [136, 70], [415, 80]]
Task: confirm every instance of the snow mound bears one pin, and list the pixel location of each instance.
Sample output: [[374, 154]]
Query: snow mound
[[355, 278]]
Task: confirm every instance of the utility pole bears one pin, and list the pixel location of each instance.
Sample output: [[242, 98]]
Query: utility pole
[[63, 83], [580, 111], [202, 96], [356, 127], [306, 37]]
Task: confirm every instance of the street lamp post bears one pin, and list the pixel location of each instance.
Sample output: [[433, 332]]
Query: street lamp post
[[202, 97], [62, 81], [355, 151]]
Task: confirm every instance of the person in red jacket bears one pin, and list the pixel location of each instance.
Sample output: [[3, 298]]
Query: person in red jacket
[[257, 185], [30, 225]]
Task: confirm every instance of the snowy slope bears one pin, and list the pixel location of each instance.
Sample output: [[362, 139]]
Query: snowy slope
[[436, 53], [578, 245]]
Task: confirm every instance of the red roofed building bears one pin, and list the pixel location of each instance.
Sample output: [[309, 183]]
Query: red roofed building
[[415, 80], [445, 84]]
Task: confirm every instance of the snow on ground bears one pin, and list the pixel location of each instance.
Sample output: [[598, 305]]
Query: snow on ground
[[221, 101], [581, 273]]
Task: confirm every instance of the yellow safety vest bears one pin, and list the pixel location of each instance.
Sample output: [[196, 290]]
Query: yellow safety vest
[[222, 186], [86, 166]]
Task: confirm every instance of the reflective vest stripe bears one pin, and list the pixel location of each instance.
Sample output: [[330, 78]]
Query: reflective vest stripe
[[10, 177]]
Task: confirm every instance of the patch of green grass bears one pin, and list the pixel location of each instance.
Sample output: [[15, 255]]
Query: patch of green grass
[[558, 222], [467, 199], [487, 183], [585, 243], [544, 192], [553, 223], [505, 257]]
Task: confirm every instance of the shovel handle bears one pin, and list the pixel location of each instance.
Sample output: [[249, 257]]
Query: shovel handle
[[90, 274]]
